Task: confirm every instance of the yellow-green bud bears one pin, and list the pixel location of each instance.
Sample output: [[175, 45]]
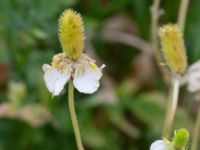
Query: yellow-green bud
[[71, 33], [181, 139], [173, 48]]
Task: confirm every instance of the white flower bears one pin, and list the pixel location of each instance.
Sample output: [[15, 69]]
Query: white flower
[[158, 145], [194, 77], [83, 71]]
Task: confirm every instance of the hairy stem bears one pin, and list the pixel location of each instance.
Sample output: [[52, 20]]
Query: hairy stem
[[73, 116], [171, 110]]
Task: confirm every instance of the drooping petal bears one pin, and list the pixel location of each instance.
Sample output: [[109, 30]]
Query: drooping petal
[[158, 145], [86, 78], [54, 79]]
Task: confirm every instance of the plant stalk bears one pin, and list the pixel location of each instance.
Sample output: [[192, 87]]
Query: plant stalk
[[154, 29], [196, 132], [73, 116], [171, 110], [154, 40], [182, 14]]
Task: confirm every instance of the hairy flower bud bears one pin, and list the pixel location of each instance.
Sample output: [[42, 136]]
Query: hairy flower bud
[[173, 48], [71, 33], [181, 138]]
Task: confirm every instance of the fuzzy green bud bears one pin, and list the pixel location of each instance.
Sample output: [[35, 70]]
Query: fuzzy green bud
[[181, 139]]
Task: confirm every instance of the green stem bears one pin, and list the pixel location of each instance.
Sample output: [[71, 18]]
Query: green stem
[[73, 116], [154, 29], [196, 132], [171, 111], [182, 14], [154, 40]]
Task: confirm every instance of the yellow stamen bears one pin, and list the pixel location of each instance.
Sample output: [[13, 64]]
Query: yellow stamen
[[60, 62], [93, 66]]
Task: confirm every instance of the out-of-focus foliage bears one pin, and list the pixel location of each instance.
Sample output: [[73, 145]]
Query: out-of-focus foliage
[[127, 113]]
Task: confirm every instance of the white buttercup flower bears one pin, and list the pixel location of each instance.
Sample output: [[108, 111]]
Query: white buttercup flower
[[83, 71], [158, 145], [194, 77]]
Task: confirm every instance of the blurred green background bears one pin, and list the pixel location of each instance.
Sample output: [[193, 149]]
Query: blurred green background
[[127, 112]]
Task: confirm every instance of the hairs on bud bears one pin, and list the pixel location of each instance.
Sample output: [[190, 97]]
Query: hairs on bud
[[173, 48], [71, 33]]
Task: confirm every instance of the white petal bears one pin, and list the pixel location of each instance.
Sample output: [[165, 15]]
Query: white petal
[[195, 66], [193, 82], [158, 145], [86, 78], [54, 79], [194, 77]]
